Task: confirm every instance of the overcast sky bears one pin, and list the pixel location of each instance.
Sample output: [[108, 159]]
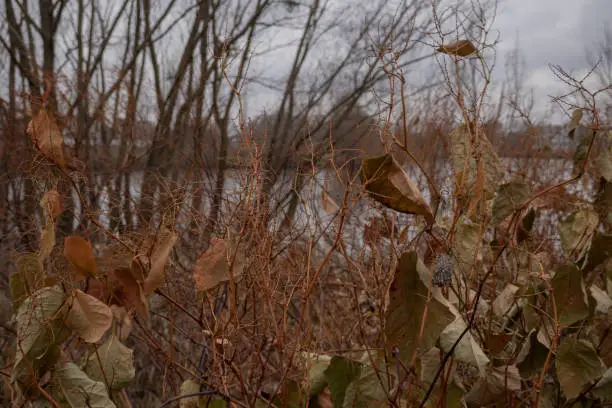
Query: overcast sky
[[559, 32], [551, 32]]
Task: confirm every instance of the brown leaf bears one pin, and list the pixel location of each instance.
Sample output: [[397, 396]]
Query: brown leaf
[[79, 253], [388, 183], [88, 317], [212, 267], [51, 204], [159, 257], [476, 166], [47, 137], [47, 241], [461, 48], [495, 343], [494, 386], [414, 319], [130, 293], [329, 204]]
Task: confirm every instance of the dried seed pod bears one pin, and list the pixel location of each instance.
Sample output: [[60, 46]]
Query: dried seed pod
[[443, 271]]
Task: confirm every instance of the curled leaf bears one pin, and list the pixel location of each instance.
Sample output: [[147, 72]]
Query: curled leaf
[[505, 300], [461, 48], [189, 387], [388, 183], [603, 388], [466, 242], [600, 251], [28, 278], [532, 356], [603, 302], [338, 375], [47, 240], [130, 292]]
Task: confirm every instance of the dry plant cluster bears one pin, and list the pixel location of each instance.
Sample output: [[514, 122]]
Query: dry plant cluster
[[458, 283]]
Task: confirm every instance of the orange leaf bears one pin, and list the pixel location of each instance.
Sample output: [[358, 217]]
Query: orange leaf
[[79, 253]]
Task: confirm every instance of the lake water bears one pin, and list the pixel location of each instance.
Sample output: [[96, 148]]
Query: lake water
[[311, 213]]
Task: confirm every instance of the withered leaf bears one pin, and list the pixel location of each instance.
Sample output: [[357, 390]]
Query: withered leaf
[[79, 252], [51, 204], [88, 317], [47, 137], [212, 267], [159, 258], [388, 183], [131, 293], [461, 48]]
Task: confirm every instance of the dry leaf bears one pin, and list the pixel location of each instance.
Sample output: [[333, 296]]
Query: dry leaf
[[159, 258], [47, 137], [131, 293], [461, 48], [575, 122], [79, 253], [494, 385], [388, 183], [329, 204], [212, 267], [47, 241], [52, 204], [476, 166], [88, 317], [414, 319]]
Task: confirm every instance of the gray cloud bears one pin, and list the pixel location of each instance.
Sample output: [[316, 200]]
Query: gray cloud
[[559, 32]]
